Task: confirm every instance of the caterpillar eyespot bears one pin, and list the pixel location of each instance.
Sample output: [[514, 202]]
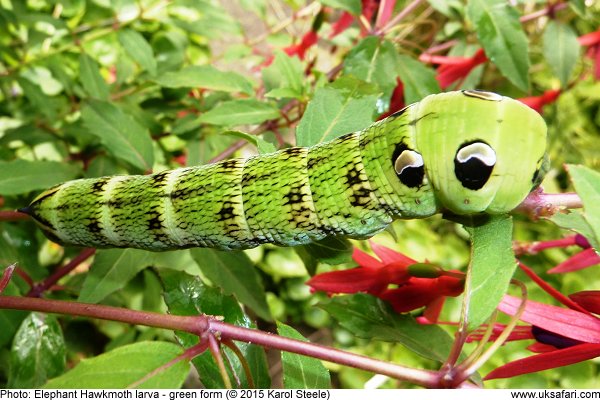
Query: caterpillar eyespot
[[436, 155], [473, 164], [410, 168]]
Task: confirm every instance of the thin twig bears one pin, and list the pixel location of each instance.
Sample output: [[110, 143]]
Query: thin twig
[[38, 289], [187, 355], [215, 350], [467, 368], [236, 350], [400, 16]]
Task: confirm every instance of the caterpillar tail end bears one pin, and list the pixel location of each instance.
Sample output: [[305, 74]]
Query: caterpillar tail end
[[26, 210]]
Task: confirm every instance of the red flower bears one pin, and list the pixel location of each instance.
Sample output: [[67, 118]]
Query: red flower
[[522, 332], [386, 8], [581, 260], [420, 292], [537, 102], [564, 336], [397, 100], [588, 299], [417, 285], [341, 24], [308, 40], [592, 41], [454, 68], [369, 7]]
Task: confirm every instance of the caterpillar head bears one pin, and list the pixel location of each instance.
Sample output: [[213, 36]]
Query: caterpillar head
[[480, 151]]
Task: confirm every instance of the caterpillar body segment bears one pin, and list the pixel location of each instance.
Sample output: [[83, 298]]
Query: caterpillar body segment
[[466, 152]]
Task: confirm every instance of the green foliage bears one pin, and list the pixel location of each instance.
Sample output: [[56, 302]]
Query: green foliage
[[111, 272], [491, 268], [92, 88], [346, 105], [370, 318], [561, 49], [38, 352], [127, 366], [587, 184], [234, 273], [301, 372], [22, 176], [501, 35], [187, 295]]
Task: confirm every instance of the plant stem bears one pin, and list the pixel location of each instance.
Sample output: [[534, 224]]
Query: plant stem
[[201, 324], [401, 15], [540, 204], [193, 324], [421, 377], [12, 216], [37, 290]]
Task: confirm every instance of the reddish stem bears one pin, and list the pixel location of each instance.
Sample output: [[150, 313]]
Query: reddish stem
[[37, 290], [551, 291], [536, 247], [200, 325], [228, 151], [540, 204], [25, 276], [13, 216]]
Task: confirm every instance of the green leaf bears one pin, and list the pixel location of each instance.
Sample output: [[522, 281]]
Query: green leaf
[[111, 271], [491, 267], [38, 352], [262, 145], [370, 318], [504, 41], [121, 134], [419, 81], [346, 105], [48, 106], [91, 79], [10, 321], [265, 147], [587, 185], [127, 366], [186, 295], [576, 222], [374, 61], [352, 6], [450, 8], [561, 49], [331, 250], [301, 372], [235, 274], [206, 77], [20, 176], [240, 112], [284, 77], [138, 49]]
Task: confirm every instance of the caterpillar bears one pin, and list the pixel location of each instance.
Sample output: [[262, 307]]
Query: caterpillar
[[464, 152]]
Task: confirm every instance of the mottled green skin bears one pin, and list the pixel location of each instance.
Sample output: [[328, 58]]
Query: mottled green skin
[[345, 187]]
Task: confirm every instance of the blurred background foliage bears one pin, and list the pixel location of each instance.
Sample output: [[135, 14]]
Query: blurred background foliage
[[100, 87]]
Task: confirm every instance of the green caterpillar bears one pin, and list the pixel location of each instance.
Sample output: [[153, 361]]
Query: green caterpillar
[[465, 152]]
